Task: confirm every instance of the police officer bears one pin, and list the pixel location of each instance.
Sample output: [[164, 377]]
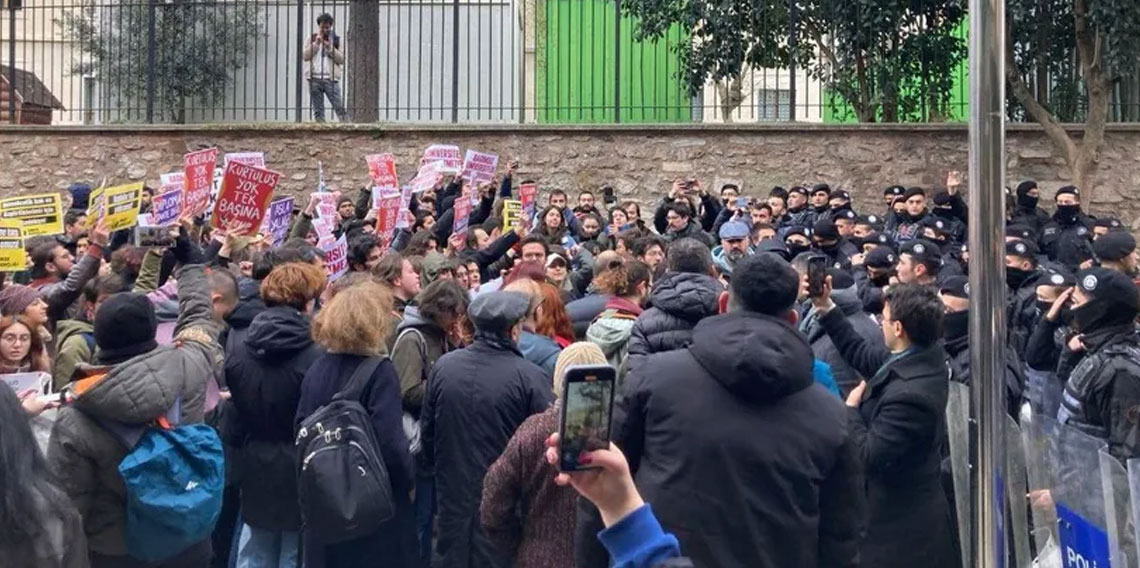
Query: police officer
[[1102, 362], [878, 269], [1021, 276], [799, 213], [1065, 237], [828, 241], [1117, 250], [1025, 210]]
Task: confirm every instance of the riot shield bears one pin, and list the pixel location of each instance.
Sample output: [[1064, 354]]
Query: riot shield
[[958, 431], [1016, 489], [1038, 442], [1134, 491], [1079, 497], [1118, 511]]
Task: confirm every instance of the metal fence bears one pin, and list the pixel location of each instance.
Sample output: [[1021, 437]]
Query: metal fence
[[469, 61]]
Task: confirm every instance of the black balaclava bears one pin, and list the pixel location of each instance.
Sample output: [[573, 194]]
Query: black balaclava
[[956, 324], [1067, 214], [1024, 200], [1114, 300]]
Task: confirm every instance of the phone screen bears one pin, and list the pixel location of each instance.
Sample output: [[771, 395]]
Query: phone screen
[[587, 406], [817, 275], [742, 202]]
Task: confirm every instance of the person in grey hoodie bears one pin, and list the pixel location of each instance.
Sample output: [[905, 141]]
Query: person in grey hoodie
[[629, 285]]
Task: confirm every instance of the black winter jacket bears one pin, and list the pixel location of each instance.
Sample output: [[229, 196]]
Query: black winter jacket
[[476, 398], [849, 303], [679, 301], [264, 373], [899, 429], [744, 458]]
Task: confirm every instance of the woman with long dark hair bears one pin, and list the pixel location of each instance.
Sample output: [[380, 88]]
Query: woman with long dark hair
[[551, 225], [39, 526]]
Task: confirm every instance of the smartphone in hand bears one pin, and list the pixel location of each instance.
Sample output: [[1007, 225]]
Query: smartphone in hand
[[817, 275], [587, 408]]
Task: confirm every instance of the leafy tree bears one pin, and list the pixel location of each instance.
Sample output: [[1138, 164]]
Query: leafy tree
[[891, 60], [198, 45], [725, 38], [1063, 59]]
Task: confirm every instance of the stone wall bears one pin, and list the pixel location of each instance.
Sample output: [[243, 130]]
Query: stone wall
[[639, 161]]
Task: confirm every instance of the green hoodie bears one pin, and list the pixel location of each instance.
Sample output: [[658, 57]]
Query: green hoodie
[[612, 335], [73, 349]]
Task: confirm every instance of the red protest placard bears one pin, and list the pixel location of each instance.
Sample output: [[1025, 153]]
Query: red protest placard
[[198, 181], [382, 170], [528, 194], [245, 195], [462, 213], [386, 219]]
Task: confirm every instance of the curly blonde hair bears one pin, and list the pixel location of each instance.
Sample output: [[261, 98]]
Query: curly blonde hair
[[356, 321]]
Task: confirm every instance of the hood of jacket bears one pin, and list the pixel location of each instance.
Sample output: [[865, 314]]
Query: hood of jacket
[[66, 329], [611, 334], [134, 392], [688, 296], [278, 332], [249, 304], [756, 357], [723, 262]]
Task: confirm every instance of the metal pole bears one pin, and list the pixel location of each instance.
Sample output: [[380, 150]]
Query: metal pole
[[793, 44], [617, 61], [150, 49], [12, 62], [301, 66], [455, 61], [987, 275]]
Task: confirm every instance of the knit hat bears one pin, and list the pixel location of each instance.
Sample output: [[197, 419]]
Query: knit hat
[[841, 194], [894, 190], [1114, 245], [80, 195], [826, 230], [800, 190], [942, 198], [580, 353], [1024, 187], [821, 188], [16, 298], [343, 199], [125, 327]]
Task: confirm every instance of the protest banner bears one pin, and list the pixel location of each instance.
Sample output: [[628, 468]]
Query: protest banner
[[382, 170], [121, 205], [446, 155], [277, 219], [246, 191], [462, 214], [479, 168], [404, 217], [12, 255], [326, 206], [37, 214], [255, 159], [428, 177], [336, 256], [512, 213], [199, 180], [172, 181], [165, 208], [94, 210], [528, 195], [388, 216]]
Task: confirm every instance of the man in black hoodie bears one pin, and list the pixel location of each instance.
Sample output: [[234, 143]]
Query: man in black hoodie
[[1025, 211], [742, 456]]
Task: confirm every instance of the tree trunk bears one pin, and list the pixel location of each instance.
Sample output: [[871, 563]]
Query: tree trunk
[[864, 108], [731, 96], [362, 48]]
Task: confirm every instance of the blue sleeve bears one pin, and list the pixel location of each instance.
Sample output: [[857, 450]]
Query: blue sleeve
[[386, 412], [505, 187], [638, 541], [821, 372]]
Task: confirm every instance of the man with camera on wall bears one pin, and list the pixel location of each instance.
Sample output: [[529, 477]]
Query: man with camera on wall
[[325, 59]]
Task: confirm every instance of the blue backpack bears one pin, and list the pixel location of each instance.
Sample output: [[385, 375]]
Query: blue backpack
[[174, 477]]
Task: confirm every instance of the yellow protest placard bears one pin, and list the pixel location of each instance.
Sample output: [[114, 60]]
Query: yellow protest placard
[[37, 214], [12, 255], [512, 213], [121, 206], [95, 206]]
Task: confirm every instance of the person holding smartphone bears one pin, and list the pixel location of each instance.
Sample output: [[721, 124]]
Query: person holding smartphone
[[324, 60]]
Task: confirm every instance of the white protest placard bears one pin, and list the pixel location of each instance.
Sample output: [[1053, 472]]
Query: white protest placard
[[446, 155], [404, 220], [429, 176], [255, 159], [326, 205], [479, 167], [24, 382], [336, 256]]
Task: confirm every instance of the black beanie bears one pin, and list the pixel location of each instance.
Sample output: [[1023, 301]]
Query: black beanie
[[1067, 189], [1024, 187], [125, 326], [942, 198], [821, 188], [826, 230]]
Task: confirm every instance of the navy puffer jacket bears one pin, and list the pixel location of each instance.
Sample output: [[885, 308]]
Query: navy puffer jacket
[[679, 300]]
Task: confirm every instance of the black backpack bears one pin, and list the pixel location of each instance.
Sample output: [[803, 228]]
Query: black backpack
[[344, 489]]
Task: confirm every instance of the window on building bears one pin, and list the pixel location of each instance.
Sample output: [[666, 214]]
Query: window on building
[[773, 104]]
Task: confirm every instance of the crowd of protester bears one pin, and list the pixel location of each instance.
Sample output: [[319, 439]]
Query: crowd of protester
[[763, 419]]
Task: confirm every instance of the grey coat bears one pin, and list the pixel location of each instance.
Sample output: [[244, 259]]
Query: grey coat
[[847, 301], [85, 457]]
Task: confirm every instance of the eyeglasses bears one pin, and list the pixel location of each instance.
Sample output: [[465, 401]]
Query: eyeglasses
[[16, 339]]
